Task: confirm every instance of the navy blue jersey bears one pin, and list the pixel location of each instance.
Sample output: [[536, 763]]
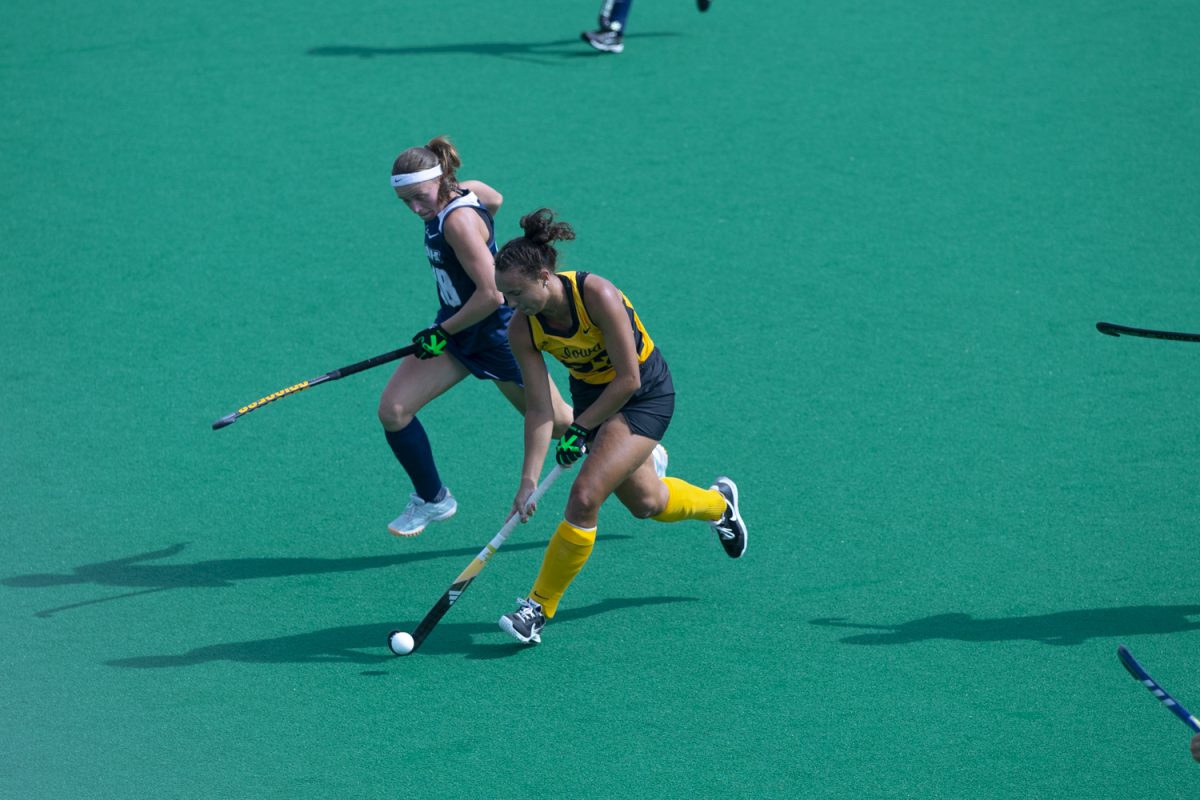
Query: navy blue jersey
[[455, 286]]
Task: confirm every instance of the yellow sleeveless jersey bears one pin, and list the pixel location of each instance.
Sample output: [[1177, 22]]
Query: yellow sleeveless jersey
[[582, 349]]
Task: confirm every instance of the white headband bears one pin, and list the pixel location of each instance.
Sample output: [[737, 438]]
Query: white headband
[[409, 178]]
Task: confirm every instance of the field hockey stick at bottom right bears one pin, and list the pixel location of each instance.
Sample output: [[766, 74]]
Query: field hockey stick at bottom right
[[1141, 676], [400, 642]]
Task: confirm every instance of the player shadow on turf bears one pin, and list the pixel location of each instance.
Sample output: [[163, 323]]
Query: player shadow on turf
[[129, 572], [1061, 628], [366, 644], [518, 51], [463, 642]]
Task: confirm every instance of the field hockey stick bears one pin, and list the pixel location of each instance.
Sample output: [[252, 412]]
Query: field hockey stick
[[1111, 329], [328, 376], [473, 569], [1141, 676]]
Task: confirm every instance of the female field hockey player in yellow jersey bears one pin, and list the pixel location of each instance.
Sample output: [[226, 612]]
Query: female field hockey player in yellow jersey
[[623, 397]]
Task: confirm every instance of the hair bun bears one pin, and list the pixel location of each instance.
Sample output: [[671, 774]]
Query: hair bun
[[541, 229]]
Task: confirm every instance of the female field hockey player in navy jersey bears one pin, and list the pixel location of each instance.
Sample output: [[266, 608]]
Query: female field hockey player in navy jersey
[[623, 397], [610, 36], [467, 336]]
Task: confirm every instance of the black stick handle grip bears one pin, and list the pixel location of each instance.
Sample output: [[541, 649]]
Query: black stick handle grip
[[373, 361]]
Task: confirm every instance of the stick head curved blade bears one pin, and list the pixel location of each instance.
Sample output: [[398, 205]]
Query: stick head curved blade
[[223, 421]]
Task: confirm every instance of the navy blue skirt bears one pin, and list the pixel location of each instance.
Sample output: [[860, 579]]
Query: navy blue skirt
[[495, 363]]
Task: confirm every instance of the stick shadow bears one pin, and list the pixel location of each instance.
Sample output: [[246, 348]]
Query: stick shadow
[[131, 572], [1061, 628], [520, 51], [367, 644]]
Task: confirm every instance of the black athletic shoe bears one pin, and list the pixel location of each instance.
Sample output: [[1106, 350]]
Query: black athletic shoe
[[526, 623], [703, 5], [606, 41], [730, 528]]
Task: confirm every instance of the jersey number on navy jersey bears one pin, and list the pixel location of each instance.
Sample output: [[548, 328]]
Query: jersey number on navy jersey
[[446, 288]]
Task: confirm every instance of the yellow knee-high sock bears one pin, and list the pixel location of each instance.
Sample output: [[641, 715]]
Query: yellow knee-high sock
[[685, 501], [566, 554]]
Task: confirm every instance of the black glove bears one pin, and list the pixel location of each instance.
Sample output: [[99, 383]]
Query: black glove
[[431, 342], [570, 447]]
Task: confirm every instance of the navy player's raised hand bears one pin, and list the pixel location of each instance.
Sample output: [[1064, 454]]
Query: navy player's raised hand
[[432, 342]]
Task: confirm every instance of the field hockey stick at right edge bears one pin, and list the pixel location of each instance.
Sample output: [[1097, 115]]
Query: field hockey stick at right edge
[[1112, 329], [450, 597], [1141, 676]]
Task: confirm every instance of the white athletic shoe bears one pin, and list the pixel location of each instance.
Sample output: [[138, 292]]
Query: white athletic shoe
[[526, 623], [418, 513], [660, 460], [606, 41]]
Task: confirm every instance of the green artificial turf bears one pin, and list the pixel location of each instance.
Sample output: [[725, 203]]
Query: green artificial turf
[[871, 239]]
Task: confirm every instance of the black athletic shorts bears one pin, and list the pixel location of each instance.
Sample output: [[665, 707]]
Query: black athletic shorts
[[649, 411]]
